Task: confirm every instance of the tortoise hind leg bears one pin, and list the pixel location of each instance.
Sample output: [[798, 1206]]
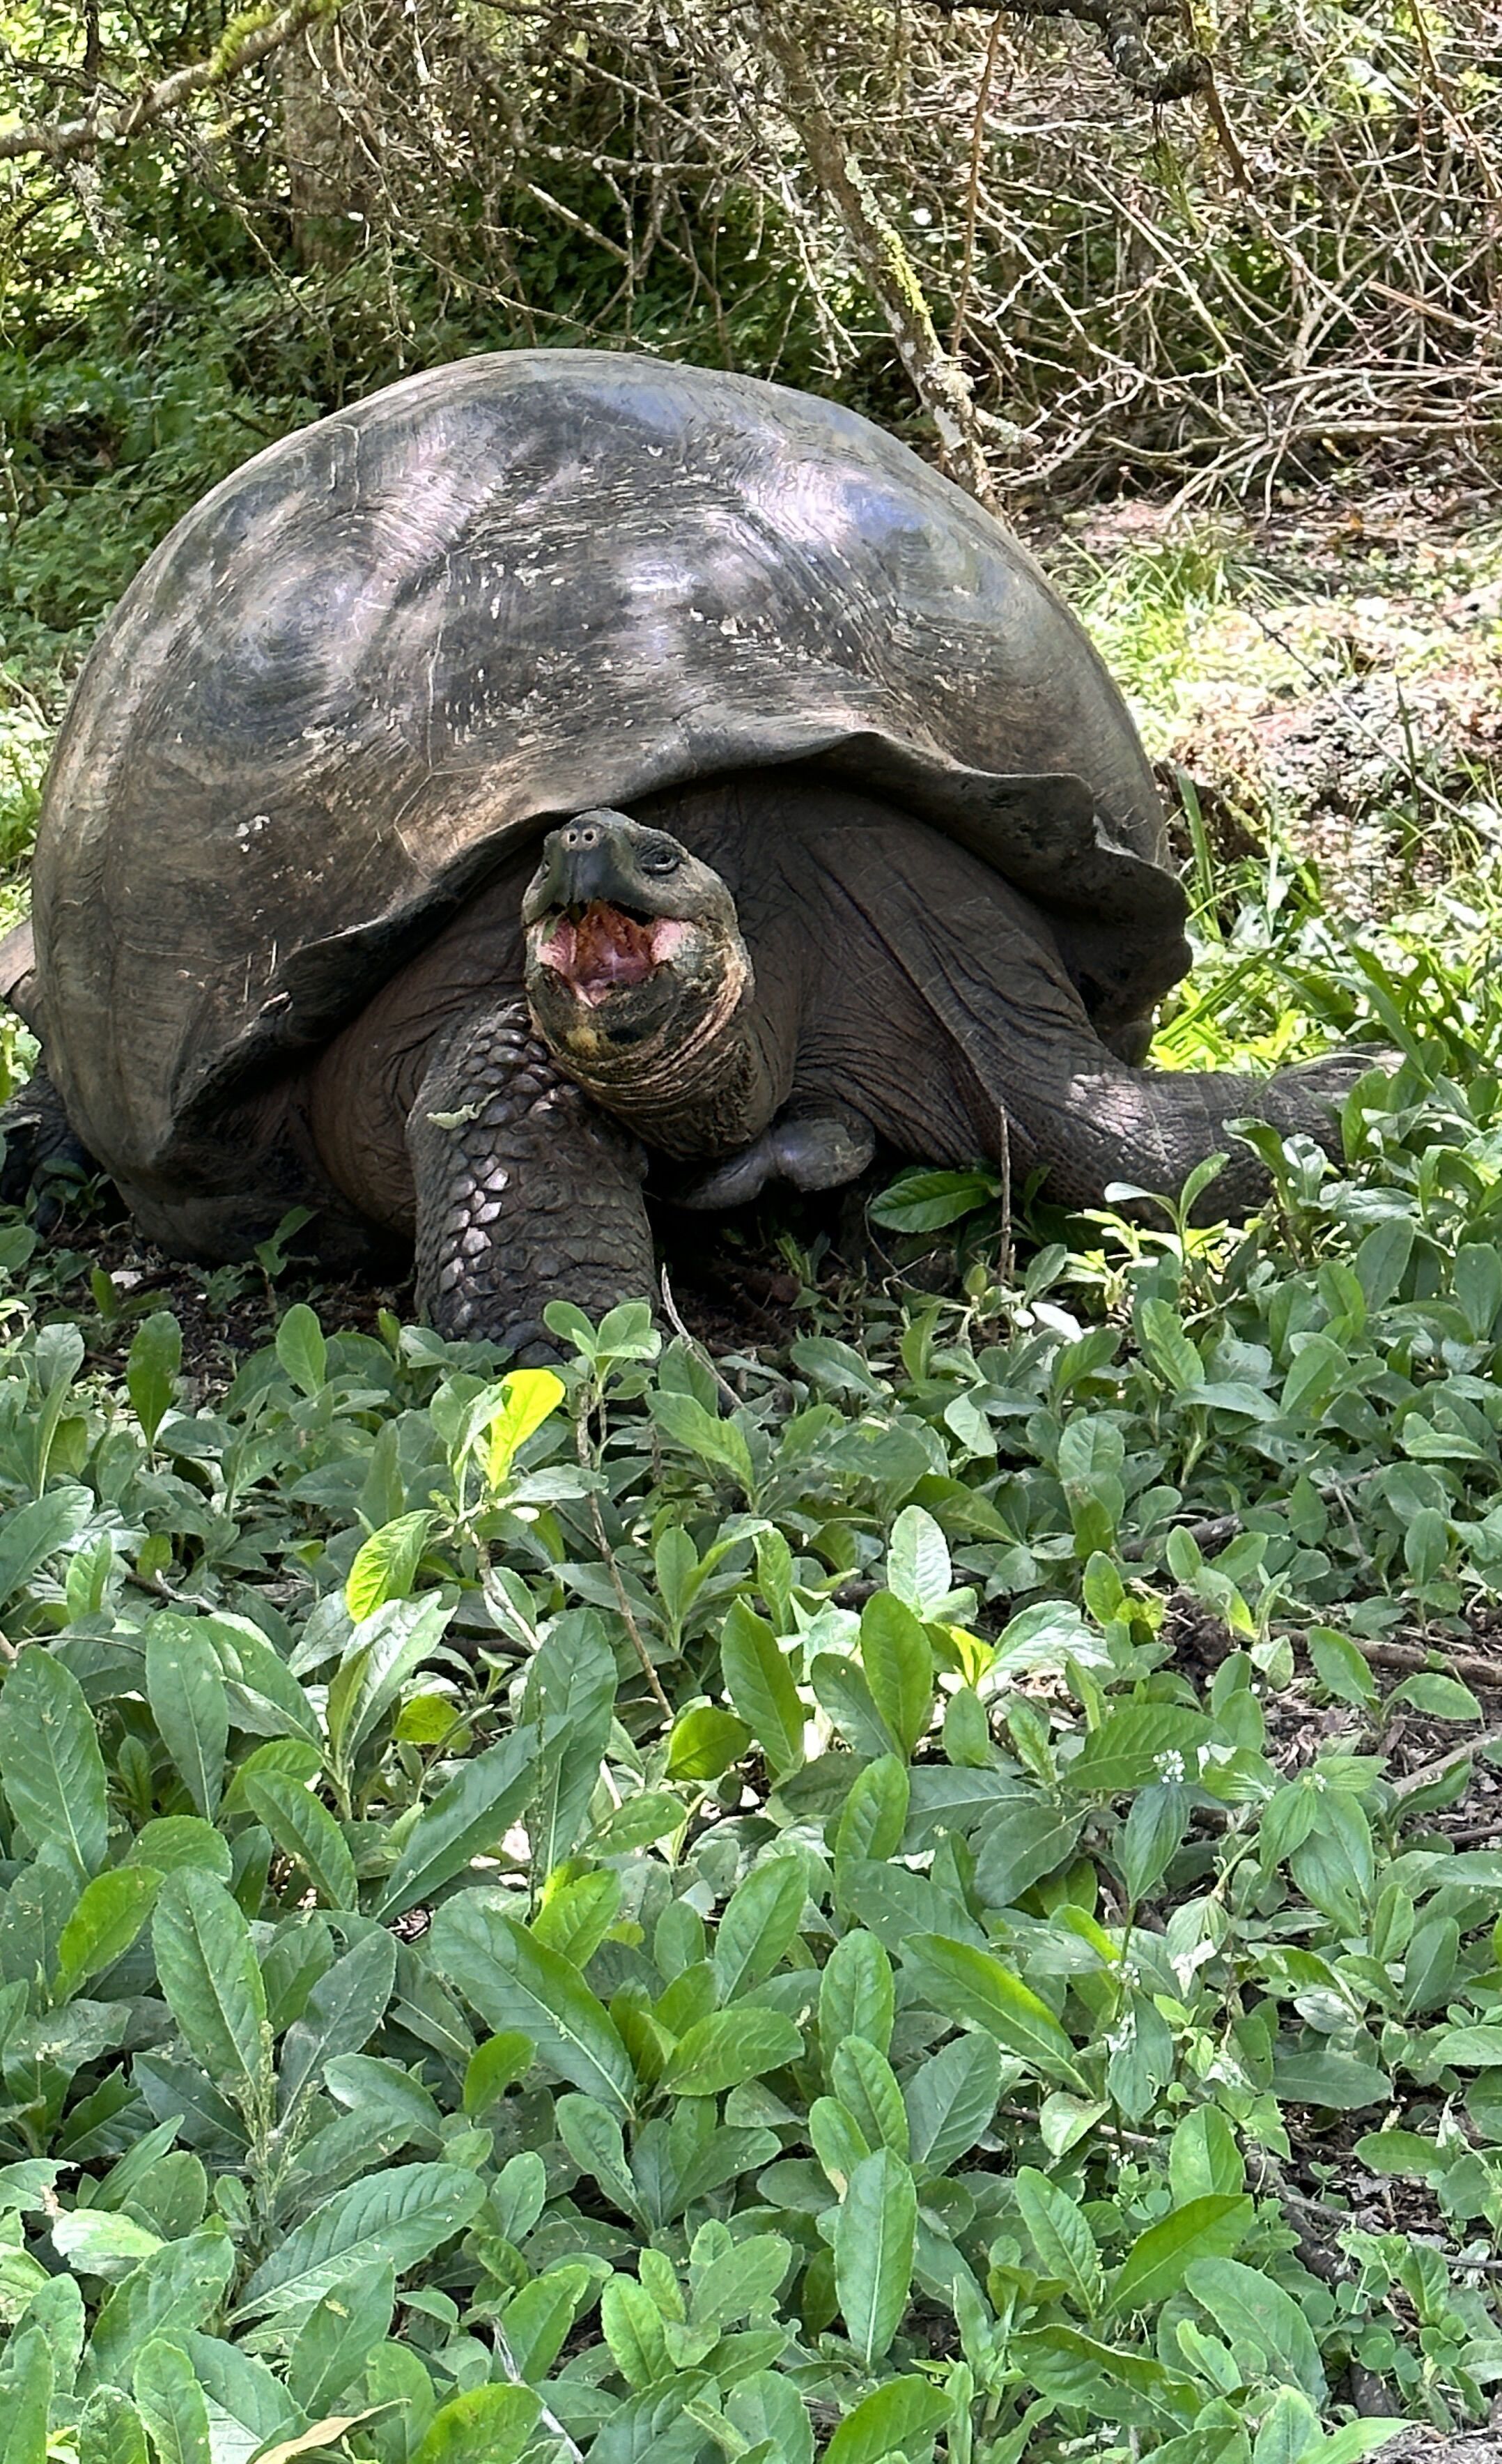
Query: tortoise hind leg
[[39, 1143], [524, 1193]]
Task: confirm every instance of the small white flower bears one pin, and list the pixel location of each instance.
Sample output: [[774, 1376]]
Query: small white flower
[[1169, 1765]]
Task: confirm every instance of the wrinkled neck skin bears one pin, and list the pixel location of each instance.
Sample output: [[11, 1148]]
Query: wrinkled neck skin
[[695, 1093]]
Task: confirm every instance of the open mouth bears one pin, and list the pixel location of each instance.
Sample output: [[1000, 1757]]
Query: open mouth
[[601, 949]]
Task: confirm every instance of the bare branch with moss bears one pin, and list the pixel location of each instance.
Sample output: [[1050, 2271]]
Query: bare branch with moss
[[246, 40]]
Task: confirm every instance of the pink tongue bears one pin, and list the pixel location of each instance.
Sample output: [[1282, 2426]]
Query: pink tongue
[[605, 951]]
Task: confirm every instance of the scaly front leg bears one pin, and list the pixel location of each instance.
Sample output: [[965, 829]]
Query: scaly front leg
[[525, 1193]]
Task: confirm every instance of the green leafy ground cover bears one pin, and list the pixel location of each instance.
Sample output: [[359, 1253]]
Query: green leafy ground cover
[[931, 1891], [557, 1917]]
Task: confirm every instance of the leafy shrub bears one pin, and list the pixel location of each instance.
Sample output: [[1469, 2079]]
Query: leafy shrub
[[543, 1917]]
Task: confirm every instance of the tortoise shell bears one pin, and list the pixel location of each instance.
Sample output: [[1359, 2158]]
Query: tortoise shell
[[399, 644]]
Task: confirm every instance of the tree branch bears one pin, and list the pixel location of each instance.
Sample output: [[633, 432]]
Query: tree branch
[[246, 41], [938, 379], [1120, 24]]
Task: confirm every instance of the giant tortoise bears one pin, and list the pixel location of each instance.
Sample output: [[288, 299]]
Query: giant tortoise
[[563, 768]]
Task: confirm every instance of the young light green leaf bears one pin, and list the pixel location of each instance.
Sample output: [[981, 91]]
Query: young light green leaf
[[305, 1830], [51, 1766], [1154, 2267], [185, 1689], [528, 1397], [720, 1443], [705, 1741], [386, 1564], [1264, 2326], [515, 1983], [874, 2240], [212, 1982]]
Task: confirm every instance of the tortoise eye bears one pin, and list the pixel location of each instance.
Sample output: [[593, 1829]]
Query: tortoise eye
[[661, 860]]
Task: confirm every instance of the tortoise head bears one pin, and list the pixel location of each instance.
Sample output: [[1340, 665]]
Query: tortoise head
[[636, 967]]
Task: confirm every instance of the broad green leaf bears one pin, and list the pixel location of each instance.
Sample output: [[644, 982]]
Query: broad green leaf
[[759, 1924], [952, 2100], [761, 1684], [400, 2217], [705, 1743], [151, 1370], [385, 1565], [515, 1983], [1024, 1839], [918, 1568], [1203, 2157], [874, 2238], [856, 1994], [185, 1689], [729, 2047], [970, 1986], [1264, 2326], [109, 1915], [898, 1661], [32, 1533], [893, 2420], [865, 2083], [305, 1830], [766, 2406], [473, 1814], [25, 2398], [632, 2326], [1154, 2267], [486, 2424], [537, 2320], [301, 1350], [96, 2242], [209, 1974], [168, 2295], [340, 2016], [110, 2430], [336, 2338], [720, 1443], [51, 1766], [170, 2402], [571, 1697], [1065, 2245], [1139, 1743]]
